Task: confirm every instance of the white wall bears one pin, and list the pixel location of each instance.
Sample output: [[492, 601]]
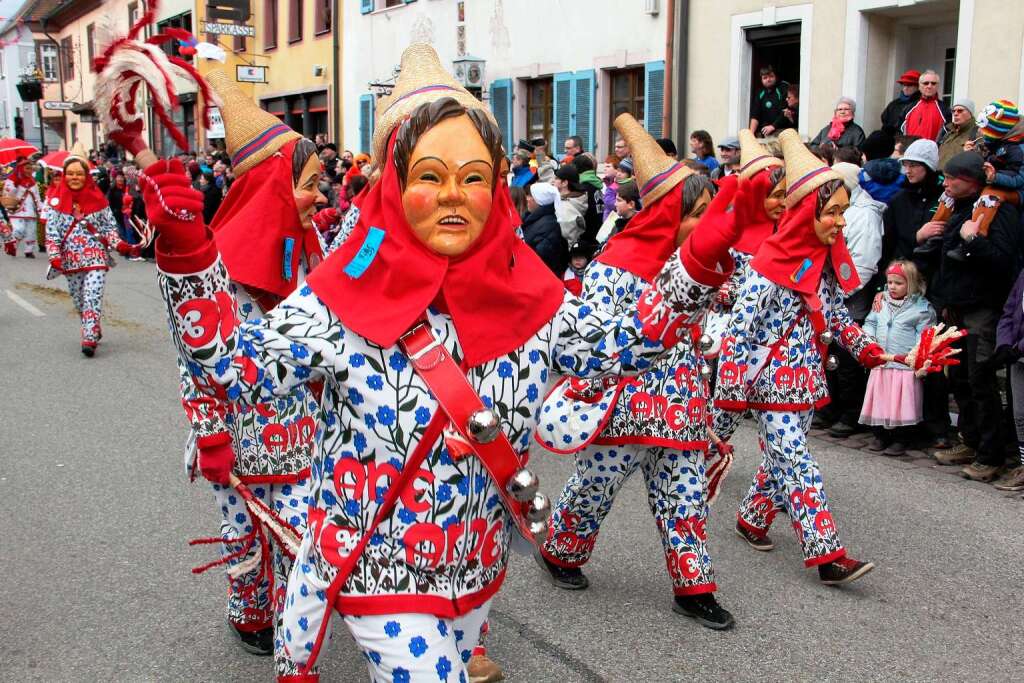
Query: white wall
[[517, 38]]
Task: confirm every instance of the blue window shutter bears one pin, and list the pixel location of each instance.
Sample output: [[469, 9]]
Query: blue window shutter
[[366, 103], [408, 1], [501, 105], [584, 107], [562, 114], [654, 97], [366, 7]]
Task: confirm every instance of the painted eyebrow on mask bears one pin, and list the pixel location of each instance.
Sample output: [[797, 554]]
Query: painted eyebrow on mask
[[422, 159]]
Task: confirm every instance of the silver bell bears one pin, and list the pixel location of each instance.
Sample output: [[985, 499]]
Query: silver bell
[[705, 372], [539, 530], [540, 509], [523, 485], [483, 426], [706, 342], [825, 337], [832, 363]]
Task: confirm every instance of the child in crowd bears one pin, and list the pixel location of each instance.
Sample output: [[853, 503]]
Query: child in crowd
[[1001, 132], [894, 399], [881, 176], [902, 142], [611, 185], [627, 203], [579, 258]]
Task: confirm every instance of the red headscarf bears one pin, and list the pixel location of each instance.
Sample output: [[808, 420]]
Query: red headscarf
[[499, 293], [758, 226], [253, 227], [22, 175], [794, 257], [89, 199], [648, 239]]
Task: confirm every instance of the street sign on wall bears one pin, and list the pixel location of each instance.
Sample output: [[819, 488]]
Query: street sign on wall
[[229, 29], [216, 129], [250, 74], [54, 105]]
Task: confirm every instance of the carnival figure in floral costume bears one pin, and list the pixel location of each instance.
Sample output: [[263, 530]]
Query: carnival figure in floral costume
[[433, 330], [24, 207], [263, 233], [656, 422], [80, 232]]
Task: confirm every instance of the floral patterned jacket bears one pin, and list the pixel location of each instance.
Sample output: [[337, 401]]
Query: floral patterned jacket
[[30, 205], [772, 354], [443, 549], [666, 405], [82, 244], [720, 311]]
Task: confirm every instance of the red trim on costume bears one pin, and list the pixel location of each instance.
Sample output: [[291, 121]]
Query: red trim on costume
[[640, 440], [558, 562], [253, 626], [187, 264], [82, 270], [825, 559], [760, 533], [442, 608], [735, 406], [299, 678], [275, 478], [695, 590]]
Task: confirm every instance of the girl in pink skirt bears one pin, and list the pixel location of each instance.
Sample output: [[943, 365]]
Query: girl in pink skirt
[[893, 400]]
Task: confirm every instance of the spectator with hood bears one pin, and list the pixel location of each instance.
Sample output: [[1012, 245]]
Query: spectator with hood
[[896, 111], [881, 176]]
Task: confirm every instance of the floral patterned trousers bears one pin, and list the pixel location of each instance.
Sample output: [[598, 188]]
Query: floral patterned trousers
[[86, 289], [675, 492], [24, 229], [788, 479]]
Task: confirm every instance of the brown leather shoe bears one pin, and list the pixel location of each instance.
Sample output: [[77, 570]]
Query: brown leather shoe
[[1012, 480], [845, 570], [978, 472], [483, 669], [762, 543], [960, 454]]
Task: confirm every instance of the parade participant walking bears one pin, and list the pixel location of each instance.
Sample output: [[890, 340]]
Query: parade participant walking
[[24, 206], [80, 231], [789, 310], [433, 329], [656, 422], [268, 247]]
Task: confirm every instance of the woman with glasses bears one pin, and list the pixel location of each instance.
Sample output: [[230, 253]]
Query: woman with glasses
[[841, 131]]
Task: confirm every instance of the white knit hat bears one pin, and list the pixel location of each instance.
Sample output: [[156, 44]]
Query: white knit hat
[[924, 152], [545, 194]]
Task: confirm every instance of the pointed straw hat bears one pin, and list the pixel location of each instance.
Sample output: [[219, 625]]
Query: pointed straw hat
[[753, 156], [77, 152], [656, 172], [250, 133], [421, 79], [804, 171]]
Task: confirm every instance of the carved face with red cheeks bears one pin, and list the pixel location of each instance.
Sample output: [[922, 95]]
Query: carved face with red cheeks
[[774, 203], [829, 224], [447, 196], [74, 176], [307, 191]]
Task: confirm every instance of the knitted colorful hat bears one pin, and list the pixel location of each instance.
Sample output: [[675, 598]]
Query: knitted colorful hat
[[250, 133], [754, 157], [656, 172], [804, 171], [996, 120]]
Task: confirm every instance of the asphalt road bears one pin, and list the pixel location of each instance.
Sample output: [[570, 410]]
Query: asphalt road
[[95, 516]]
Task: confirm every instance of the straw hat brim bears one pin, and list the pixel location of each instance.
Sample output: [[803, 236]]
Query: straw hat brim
[[760, 163]]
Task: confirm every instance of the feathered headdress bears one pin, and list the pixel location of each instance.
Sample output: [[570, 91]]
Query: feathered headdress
[[129, 63]]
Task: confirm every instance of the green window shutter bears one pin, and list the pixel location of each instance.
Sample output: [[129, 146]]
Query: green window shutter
[[563, 123], [501, 106], [585, 82], [366, 7], [654, 97], [366, 106]]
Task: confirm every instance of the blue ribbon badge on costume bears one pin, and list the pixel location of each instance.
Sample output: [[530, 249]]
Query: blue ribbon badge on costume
[[364, 257], [799, 273], [286, 264]]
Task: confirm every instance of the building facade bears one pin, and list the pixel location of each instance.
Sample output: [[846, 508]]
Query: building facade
[[547, 69]]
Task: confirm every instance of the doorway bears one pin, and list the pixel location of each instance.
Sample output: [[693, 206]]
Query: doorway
[[777, 46]]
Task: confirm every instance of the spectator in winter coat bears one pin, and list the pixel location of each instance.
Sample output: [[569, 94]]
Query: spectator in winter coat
[[960, 130], [572, 210], [212, 196], [522, 174], [769, 101], [881, 176], [926, 117], [896, 111], [909, 222], [841, 131], [541, 231], [592, 186], [971, 294]]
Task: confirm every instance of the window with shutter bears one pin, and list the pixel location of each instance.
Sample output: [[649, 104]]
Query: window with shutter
[[584, 108], [366, 7], [654, 98], [626, 95], [294, 21], [67, 56], [563, 110], [501, 106], [269, 24], [539, 108], [366, 123]]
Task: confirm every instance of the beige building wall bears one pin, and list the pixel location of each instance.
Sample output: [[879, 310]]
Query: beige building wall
[[996, 57]]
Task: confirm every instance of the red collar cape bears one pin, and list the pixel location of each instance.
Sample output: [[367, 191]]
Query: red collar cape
[[22, 176], [257, 228], [382, 279], [760, 227], [649, 238], [89, 198], [794, 257]]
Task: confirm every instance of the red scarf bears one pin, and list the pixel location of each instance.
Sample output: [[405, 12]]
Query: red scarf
[[648, 239], [836, 129], [925, 119], [89, 199], [761, 227], [794, 257], [499, 293], [22, 176], [253, 227]]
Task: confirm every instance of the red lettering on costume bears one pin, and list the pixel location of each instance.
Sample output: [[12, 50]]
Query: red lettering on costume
[[849, 334], [640, 404], [250, 373], [696, 410], [491, 550], [198, 321], [760, 503], [228, 320], [781, 353], [452, 534], [275, 436], [796, 499], [824, 523], [431, 536], [265, 410], [412, 497], [692, 526], [337, 542], [351, 488], [689, 566], [784, 377], [675, 417], [810, 498], [730, 373], [377, 471], [478, 527]]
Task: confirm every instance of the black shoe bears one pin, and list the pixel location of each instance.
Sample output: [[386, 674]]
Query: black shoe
[[569, 578], [30, 255], [895, 449], [762, 543], [957, 253], [88, 351], [259, 643], [705, 610], [877, 445], [843, 571], [931, 245], [819, 421], [841, 430]]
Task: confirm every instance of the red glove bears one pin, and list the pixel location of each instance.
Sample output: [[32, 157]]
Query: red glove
[[325, 218], [11, 248], [871, 357], [717, 230], [174, 207], [130, 134], [129, 250], [216, 457], [56, 263]]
